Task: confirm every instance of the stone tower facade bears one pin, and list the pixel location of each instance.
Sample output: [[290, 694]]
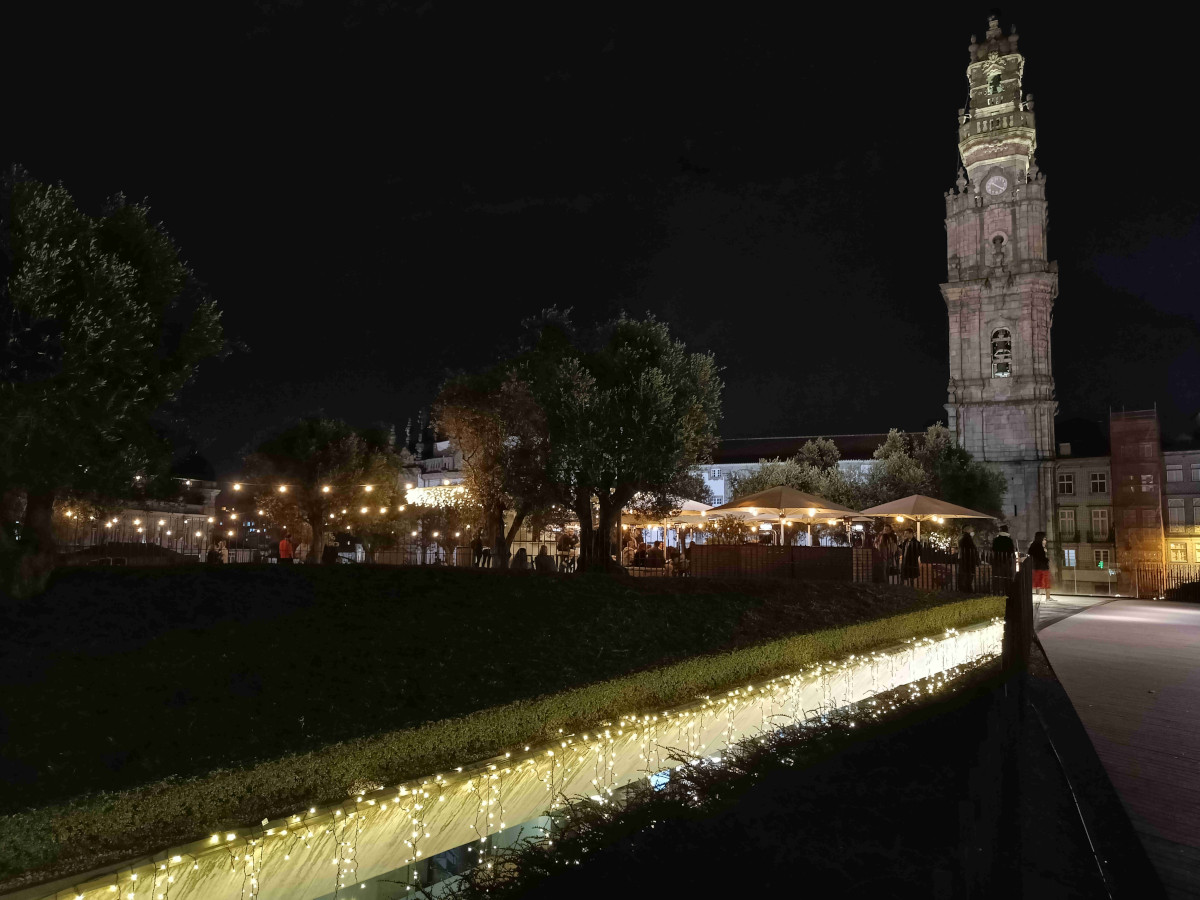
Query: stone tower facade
[[1000, 287]]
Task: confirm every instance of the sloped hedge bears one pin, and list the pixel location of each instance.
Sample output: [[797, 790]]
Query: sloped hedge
[[95, 830]]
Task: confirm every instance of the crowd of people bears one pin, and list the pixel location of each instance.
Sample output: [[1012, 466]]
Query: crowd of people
[[903, 555], [900, 556], [636, 553]]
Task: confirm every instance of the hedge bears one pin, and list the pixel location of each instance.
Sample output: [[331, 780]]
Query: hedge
[[102, 828]]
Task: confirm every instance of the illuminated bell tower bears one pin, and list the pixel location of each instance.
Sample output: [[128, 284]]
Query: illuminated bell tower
[[1000, 287]]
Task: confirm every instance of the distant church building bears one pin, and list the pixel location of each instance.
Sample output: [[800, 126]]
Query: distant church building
[[1000, 287]]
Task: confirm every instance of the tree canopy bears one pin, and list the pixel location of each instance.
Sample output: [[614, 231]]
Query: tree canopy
[[630, 414], [101, 324], [325, 466], [930, 463], [501, 432]]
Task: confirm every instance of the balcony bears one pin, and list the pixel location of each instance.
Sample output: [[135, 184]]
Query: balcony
[[1183, 529], [1069, 537], [1101, 537]]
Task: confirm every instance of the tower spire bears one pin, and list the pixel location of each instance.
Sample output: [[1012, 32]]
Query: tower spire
[[1000, 285]]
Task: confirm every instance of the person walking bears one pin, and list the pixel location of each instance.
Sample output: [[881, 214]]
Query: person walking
[[477, 550], [286, 551], [1041, 564], [968, 561], [911, 553], [1004, 558]]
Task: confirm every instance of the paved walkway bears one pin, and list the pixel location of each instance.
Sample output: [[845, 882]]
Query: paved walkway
[[1132, 671], [1062, 606]]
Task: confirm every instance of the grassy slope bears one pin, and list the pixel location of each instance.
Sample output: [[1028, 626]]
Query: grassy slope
[[120, 678]]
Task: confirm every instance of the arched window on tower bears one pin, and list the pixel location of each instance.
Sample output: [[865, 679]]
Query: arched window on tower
[[1001, 353], [994, 84]]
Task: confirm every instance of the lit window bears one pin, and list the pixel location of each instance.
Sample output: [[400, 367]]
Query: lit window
[[1174, 474], [1099, 525], [1001, 353], [1066, 524], [1099, 483], [1102, 558], [1177, 552], [994, 84], [1147, 483], [1069, 557], [1066, 483]]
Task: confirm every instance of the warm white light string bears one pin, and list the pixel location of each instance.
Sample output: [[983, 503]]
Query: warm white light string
[[553, 765]]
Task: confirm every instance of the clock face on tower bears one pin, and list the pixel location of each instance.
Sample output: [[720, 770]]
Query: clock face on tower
[[997, 184]]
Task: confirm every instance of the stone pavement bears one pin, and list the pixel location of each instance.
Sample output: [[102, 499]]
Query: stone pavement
[[1132, 671], [1061, 606]]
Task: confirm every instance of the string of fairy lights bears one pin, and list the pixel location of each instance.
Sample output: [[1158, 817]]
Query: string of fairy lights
[[190, 530], [481, 788]]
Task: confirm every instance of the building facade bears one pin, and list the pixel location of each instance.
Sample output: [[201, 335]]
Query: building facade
[[1000, 287], [1181, 515]]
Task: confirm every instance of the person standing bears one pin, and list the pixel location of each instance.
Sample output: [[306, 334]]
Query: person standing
[[329, 553], [223, 550], [477, 550], [1004, 558], [886, 544], [1041, 563], [302, 552], [286, 551], [911, 553], [968, 561]]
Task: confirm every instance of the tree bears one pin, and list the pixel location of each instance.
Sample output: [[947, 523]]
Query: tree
[[501, 432], [814, 469], [631, 416], [101, 325], [935, 465], [312, 470]]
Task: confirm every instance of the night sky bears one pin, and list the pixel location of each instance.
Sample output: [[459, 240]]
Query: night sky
[[377, 193]]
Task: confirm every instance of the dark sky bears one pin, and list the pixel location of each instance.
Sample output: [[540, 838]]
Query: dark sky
[[379, 192]]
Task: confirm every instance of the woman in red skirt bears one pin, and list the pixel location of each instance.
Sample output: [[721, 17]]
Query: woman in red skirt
[[1041, 563]]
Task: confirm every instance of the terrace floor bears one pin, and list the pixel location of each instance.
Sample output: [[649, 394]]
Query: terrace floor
[[1132, 671]]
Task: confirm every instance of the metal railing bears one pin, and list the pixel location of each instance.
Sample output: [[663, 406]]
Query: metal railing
[[1173, 581]]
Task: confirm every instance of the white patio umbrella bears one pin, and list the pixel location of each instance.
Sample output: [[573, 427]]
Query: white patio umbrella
[[784, 503], [920, 509]]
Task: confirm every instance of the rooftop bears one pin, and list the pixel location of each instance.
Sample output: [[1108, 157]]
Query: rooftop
[[751, 450]]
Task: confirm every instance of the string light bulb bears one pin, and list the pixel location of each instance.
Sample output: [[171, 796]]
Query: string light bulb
[[369, 488], [363, 510], [237, 487], [283, 489], [325, 489]]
